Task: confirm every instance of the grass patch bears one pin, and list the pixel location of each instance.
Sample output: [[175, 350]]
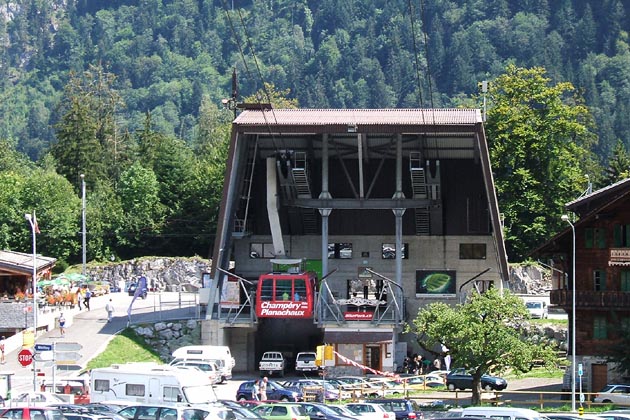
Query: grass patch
[[554, 321], [537, 372], [124, 348]]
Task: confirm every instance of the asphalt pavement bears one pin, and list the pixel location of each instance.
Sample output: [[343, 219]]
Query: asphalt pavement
[[91, 331]]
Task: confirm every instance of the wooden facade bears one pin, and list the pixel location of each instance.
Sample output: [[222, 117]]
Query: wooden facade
[[602, 276]]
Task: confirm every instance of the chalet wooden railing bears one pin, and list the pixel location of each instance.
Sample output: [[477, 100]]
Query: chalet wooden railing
[[588, 298], [619, 256]]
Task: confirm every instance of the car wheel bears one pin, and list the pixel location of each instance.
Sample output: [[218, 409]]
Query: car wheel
[[451, 387], [284, 399], [241, 398], [488, 388], [607, 402]]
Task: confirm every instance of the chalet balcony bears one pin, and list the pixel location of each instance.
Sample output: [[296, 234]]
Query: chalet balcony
[[619, 256], [588, 299]]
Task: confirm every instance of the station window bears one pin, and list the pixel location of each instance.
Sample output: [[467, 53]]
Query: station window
[[261, 250], [136, 390], [621, 236], [101, 385], [625, 280], [340, 250], [595, 238], [389, 251], [472, 251]]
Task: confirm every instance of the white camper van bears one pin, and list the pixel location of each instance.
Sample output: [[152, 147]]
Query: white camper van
[[220, 355], [502, 413], [151, 383]]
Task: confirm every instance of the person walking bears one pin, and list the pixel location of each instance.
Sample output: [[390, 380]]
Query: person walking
[[62, 325], [2, 341], [256, 391], [80, 298], [86, 298], [110, 310], [263, 389]]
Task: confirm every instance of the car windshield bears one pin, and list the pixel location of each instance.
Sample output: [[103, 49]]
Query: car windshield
[[200, 394]]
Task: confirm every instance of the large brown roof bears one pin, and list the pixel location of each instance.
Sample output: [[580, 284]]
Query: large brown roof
[[318, 117]]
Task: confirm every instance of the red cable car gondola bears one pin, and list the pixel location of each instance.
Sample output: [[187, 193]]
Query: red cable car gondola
[[287, 292]]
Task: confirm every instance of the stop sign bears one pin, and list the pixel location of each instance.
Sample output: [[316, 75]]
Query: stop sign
[[25, 357]]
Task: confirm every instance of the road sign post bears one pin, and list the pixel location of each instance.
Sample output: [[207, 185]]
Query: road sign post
[[25, 357]]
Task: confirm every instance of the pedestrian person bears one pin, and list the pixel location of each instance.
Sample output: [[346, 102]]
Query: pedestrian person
[[2, 341], [80, 299], [87, 297], [256, 391], [110, 310], [263, 389], [62, 325]]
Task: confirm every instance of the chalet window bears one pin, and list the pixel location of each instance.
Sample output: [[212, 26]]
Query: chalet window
[[625, 325], [600, 328], [595, 238], [622, 236], [472, 251], [625, 280], [599, 280]]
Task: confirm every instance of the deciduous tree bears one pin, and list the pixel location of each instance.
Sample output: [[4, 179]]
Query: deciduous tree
[[480, 335]]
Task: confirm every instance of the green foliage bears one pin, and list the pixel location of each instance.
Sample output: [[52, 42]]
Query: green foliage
[[540, 141], [480, 335]]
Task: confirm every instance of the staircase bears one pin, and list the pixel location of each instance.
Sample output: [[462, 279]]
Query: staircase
[[240, 218], [299, 173], [419, 188]]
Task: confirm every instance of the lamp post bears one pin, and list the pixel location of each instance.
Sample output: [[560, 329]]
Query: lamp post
[[83, 219], [34, 229], [565, 218]]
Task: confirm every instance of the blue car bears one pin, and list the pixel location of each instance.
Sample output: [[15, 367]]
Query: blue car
[[275, 392]]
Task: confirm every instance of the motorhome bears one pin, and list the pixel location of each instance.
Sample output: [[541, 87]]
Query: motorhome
[[220, 355], [151, 383]]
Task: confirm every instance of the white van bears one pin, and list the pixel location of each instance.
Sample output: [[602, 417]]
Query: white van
[[220, 355], [501, 413], [150, 383]]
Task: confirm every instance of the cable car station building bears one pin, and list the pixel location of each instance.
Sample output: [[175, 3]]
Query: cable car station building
[[340, 224]]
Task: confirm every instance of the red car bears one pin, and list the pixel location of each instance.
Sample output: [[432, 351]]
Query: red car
[[32, 413]]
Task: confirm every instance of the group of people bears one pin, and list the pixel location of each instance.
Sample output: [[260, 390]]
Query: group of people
[[84, 295], [419, 365], [259, 391]]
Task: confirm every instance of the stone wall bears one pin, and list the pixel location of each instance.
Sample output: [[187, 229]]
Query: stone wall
[[163, 273], [529, 280], [165, 337]]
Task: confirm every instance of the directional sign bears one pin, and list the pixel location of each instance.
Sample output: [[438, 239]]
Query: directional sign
[[43, 347], [25, 357], [42, 356], [63, 346], [67, 358]]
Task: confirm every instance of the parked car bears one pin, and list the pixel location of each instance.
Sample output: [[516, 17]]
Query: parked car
[[32, 413], [371, 411], [423, 381], [318, 387], [36, 398], [240, 411], [175, 412], [344, 411], [364, 386], [613, 393], [275, 391], [132, 290], [537, 309], [403, 408], [281, 411], [461, 379], [305, 362], [317, 411], [210, 368]]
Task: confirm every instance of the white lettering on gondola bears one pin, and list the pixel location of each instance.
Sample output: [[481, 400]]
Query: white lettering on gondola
[[283, 308]]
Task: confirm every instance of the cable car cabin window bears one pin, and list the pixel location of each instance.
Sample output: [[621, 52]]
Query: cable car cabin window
[[101, 385], [266, 289], [283, 289], [136, 390], [299, 290]]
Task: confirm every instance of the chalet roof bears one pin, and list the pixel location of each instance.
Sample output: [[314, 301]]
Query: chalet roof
[[20, 263], [600, 198]]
